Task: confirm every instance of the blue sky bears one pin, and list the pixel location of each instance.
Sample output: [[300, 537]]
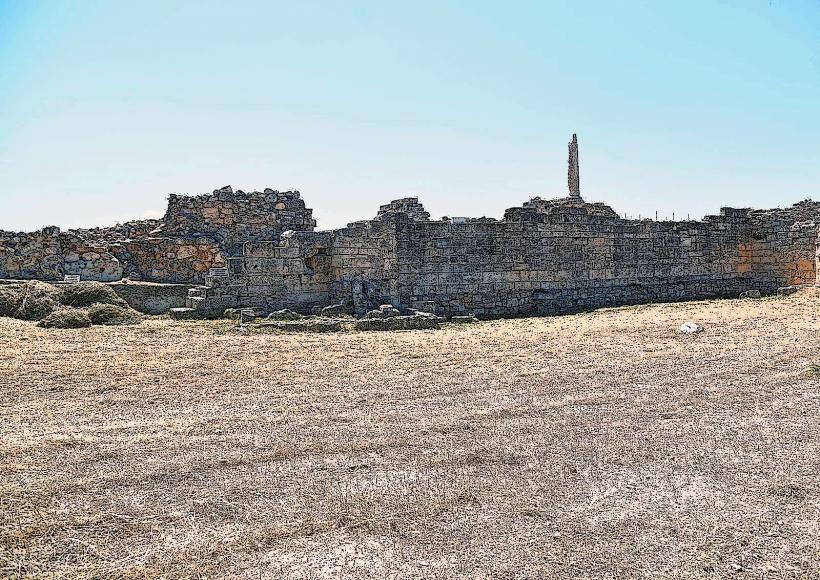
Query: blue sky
[[106, 107]]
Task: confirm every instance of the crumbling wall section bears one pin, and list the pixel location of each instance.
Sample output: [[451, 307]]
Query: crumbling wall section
[[170, 260], [49, 254], [232, 218], [782, 243], [566, 260]]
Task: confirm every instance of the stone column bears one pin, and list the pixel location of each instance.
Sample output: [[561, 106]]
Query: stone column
[[573, 178]]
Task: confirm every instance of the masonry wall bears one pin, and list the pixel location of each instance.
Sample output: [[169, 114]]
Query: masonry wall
[[196, 234], [546, 256], [543, 258], [49, 254], [232, 218], [564, 262]]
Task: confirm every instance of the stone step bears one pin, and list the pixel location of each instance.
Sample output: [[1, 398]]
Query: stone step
[[183, 313], [194, 302], [198, 292]]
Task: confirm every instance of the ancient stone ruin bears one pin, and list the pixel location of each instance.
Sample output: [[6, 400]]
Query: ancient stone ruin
[[260, 250]]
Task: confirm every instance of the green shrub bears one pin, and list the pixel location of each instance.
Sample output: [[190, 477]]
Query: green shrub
[[30, 301], [109, 314], [66, 318], [83, 294]]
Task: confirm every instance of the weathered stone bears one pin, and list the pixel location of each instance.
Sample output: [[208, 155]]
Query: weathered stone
[[750, 294], [285, 314], [384, 311], [690, 328], [463, 319], [306, 325], [413, 322], [787, 290], [573, 173], [335, 310], [183, 313]]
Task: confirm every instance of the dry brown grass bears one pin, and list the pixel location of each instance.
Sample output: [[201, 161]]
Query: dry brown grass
[[600, 445]]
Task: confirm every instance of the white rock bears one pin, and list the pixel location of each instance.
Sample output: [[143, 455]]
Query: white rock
[[690, 328]]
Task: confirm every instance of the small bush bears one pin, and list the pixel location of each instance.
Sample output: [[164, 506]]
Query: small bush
[[66, 318], [83, 294], [30, 301], [109, 314]]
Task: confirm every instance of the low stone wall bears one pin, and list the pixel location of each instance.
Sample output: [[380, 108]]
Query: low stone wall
[[151, 298]]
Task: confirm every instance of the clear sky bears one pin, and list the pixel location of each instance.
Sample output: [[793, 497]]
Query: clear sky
[[108, 106]]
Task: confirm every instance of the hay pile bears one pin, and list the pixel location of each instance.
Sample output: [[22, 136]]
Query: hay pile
[[109, 314], [85, 294], [75, 306], [30, 301], [66, 318]]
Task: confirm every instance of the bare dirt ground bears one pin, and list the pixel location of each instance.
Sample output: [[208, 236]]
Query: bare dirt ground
[[600, 445]]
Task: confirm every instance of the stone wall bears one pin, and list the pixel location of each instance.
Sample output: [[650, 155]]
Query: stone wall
[[545, 257], [196, 234], [232, 218], [176, 260], [49, 254]]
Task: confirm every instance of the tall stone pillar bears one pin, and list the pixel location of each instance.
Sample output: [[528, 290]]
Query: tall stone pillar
[[573, 177]]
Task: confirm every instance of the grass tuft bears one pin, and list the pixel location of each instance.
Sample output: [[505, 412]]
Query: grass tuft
[[108, 314], [66, 318]]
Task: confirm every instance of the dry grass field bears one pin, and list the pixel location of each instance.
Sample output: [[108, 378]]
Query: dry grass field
[[599, 445]]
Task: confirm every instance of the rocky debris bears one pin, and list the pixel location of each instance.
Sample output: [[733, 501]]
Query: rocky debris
[[690, 328], [787, 290], [109, 314], [183, 314], [305, 325], [750, 294], [463, 319], [246, 316], [334, 310], [419, 321], [66, 318], [384, 311], [285, 314]]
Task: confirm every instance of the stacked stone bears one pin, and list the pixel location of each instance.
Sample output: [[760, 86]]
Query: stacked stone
[[232, 218], [175, 260], [408, 207], [547, 257], [50, 254]]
